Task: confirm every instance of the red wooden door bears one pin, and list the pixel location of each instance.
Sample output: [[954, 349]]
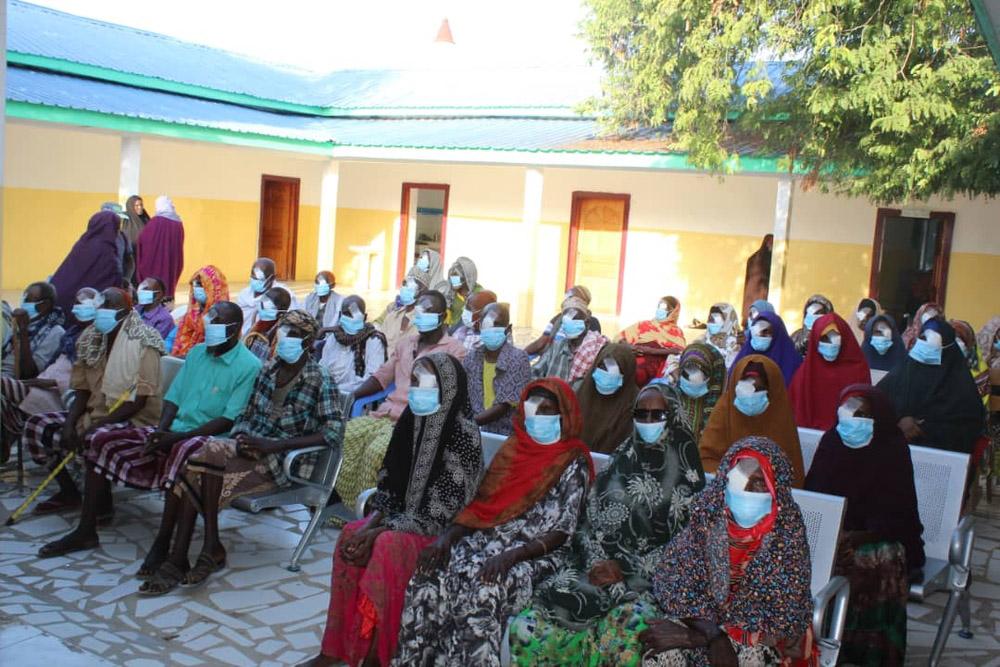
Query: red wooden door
[[279, 223]]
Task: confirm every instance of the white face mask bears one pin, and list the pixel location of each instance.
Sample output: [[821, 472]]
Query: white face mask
[[934, 339], [745, 388]]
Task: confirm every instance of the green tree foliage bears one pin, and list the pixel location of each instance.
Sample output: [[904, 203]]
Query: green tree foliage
[[891, 99]]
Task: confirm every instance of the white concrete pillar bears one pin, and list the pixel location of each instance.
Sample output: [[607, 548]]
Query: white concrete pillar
[[128, 174], [779, 251], [329, 186], [534, 183]]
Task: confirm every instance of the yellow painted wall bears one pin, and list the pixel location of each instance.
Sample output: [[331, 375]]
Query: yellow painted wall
[[370, 228], [973, 287], [838, 271]]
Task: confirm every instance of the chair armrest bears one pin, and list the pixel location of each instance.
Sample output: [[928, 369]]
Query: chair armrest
[[290, 457], [359, 505], [358, 407], [960, 553], [837, 591]]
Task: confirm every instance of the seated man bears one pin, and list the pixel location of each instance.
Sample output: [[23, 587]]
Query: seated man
[[208, 394], [355, 348], [150, 307], [467, 329], [36, 334], [366, 438], [260, 335], [497, 371], [262, 278], [116, 380], [293, 405], [571, 356], [396, 322]]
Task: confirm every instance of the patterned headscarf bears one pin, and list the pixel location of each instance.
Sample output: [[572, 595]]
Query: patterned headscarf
[[300, 319], [912, 332], [696, 411], [986, 338], [801, 335], [772, 598], [191, 328]]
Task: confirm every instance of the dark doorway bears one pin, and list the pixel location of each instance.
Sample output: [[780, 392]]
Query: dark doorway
[[423, 217], [279, 222], [910, 261]]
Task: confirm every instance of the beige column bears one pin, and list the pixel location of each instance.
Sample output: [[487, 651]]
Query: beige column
[[534, 182], [329, 186]]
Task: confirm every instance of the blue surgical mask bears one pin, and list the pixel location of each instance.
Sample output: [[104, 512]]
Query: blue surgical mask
[[146, 296], [761, 343], [544, 429], [85, 312], [714, 328], [199, 294], [572, 328], [810, 320], [829, 351], [456, 281], [425, 322], [267, 314], [855, 432], [321, 289], [423, 264], [693, 389], [748, 507], [493, 338], [649, 432], [925, 353], [257, 285], [105, 321], [996, 345], [407, 295], [352, 325], [31, 308], [752, 404], [424, 401], [215, 334], [881, 344], [289, 349], [607, 383], [661, 314]]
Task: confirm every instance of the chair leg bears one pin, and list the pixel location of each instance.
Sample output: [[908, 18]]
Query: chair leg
[[318, 514], [965, 614], [944, 629]]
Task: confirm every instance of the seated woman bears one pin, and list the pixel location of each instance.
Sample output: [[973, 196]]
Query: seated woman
[[498, 371], [571, 357], [883, 346], [149, 305], [768, 336], [755, 402], [553, 332], [208, 287], [462, 283], [816, 306], [924, 314], [965, 336], [323, 302], [833, 361], [637, 505], [866, 460], [396, 321], [933, 392], [734, 584], [355, 348], [756, 308], [867, 309], [654, 340], [989, 342], [483, 568], [260, 338], [723, 331], [607, 397], [701, 375], [430, 472]]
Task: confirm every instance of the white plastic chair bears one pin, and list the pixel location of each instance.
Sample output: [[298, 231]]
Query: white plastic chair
[[169, 368], [809, 440]]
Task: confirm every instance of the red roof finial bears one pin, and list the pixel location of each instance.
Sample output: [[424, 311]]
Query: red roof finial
[[444, 33]]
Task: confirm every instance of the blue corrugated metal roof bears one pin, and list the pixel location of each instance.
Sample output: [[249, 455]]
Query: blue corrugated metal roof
[[69, 92]]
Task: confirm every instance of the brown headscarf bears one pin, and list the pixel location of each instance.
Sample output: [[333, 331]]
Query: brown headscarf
[[728, 425], [607, 420]]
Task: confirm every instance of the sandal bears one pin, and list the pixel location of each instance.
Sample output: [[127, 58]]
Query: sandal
[[67, 545], [151, 563], [203, 568], [166, 579]]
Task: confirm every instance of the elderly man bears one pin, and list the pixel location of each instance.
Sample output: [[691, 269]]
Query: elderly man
[[206, 397], [116, 380], [36, 335], [150, 306], [293, 405], [355, 349], [367, 438], [497, 371], [262, 278]]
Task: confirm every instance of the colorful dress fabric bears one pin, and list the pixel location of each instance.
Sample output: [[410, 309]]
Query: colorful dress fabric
[[912, 332], [729, 340], [977, 363], [801, 336], [191, 327], [664, 334], [430, 472], [636, 506], [696, 411], [512, 373], [562, 361]]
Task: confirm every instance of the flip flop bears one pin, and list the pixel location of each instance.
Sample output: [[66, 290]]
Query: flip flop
[[166, 579], [150, 564], [203, 568]]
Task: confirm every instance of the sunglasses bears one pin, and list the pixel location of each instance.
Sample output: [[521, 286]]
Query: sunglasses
[[649, 415]]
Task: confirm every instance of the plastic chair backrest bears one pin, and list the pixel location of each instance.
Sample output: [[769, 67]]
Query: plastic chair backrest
[[809, 440], [492, 442], [169, 368], [939, 477]]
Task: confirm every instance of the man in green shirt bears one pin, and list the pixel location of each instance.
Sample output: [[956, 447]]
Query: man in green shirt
[[210, 391]]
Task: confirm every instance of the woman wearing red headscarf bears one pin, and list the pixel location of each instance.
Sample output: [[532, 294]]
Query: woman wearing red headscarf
[[834, 360], [483, 569]]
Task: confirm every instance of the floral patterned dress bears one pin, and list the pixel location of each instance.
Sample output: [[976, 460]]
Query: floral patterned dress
[[451, 617]]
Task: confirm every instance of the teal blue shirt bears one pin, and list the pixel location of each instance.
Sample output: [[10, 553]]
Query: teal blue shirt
[[208, 387]]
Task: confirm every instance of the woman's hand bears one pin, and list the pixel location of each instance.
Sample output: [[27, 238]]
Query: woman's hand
[[663, 635], [605, 573], [357, 549], [911, 429], [435, 555], [497, 567]]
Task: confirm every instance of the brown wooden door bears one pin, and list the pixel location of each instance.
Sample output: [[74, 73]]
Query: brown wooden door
[[598, 227], [279, 222]]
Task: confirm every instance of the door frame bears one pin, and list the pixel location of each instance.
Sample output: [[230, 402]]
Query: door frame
[[292, 247], [404, 223], [942, 261], [574, 233]]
